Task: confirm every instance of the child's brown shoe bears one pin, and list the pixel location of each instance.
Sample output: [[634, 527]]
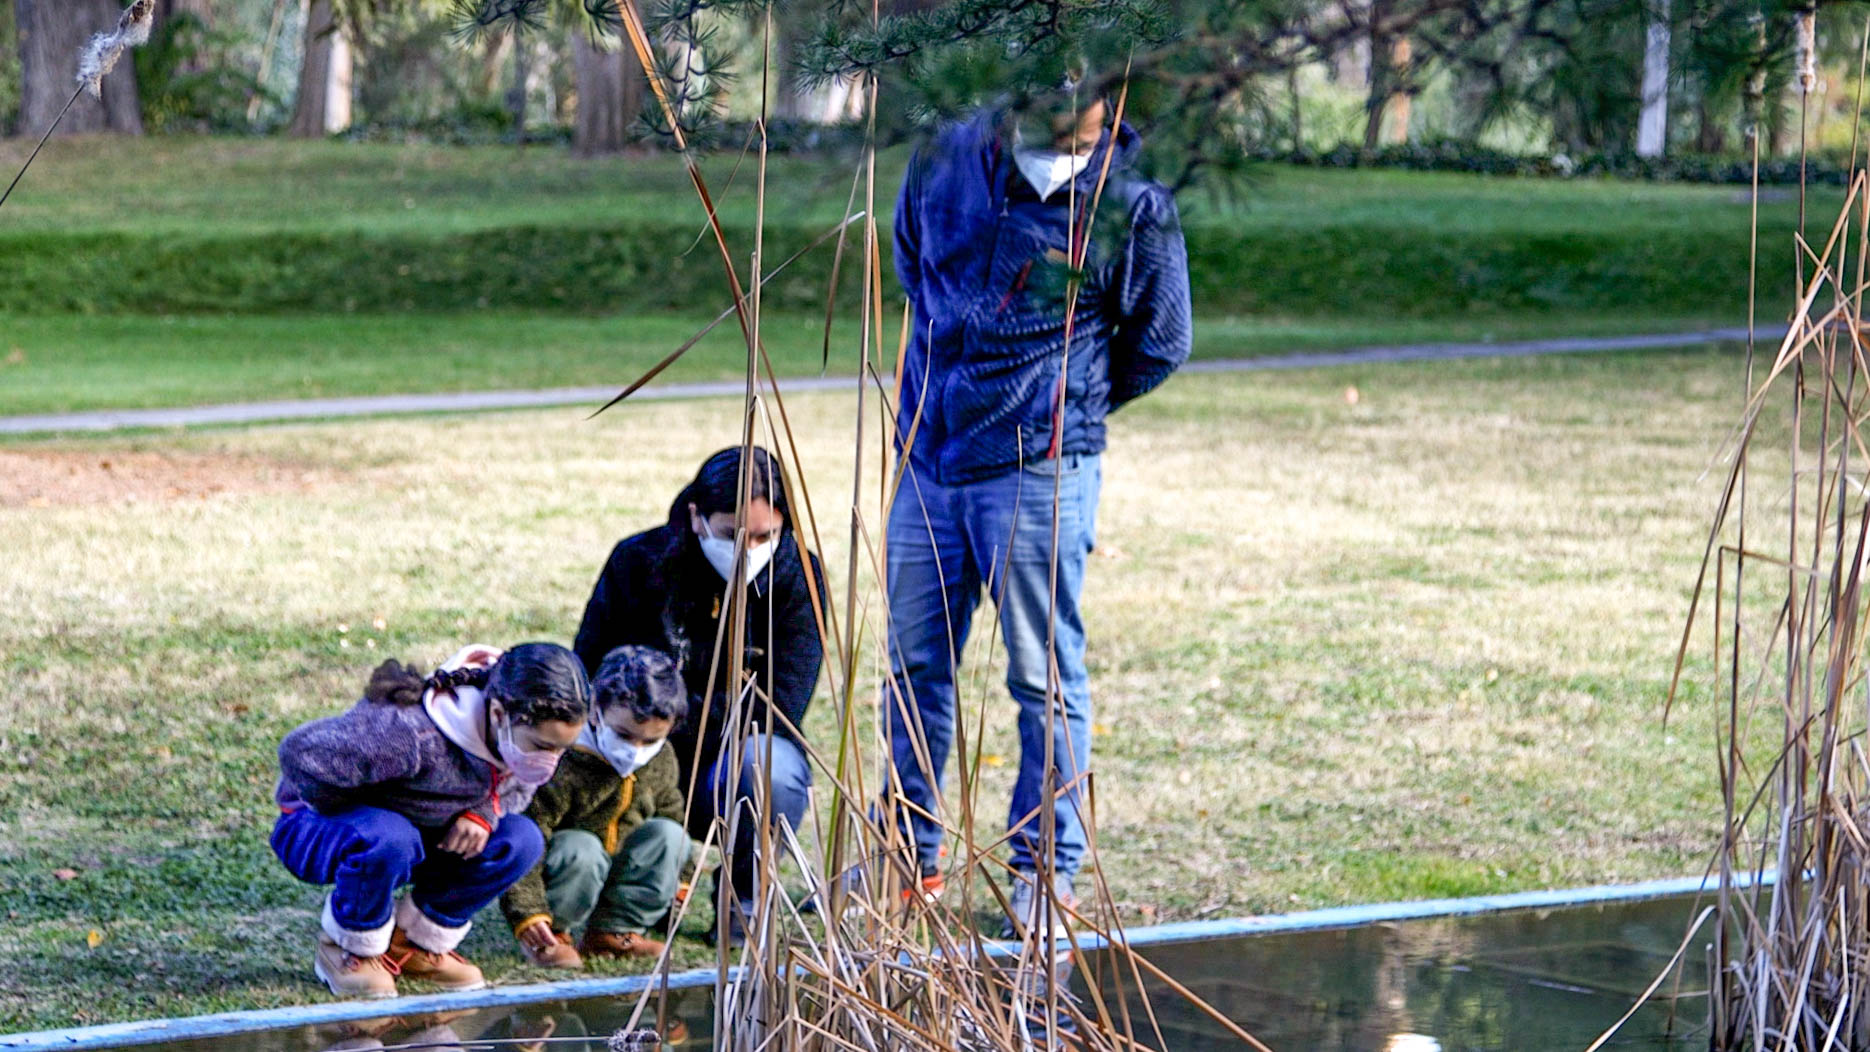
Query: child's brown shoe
[[351, 976], [561, 954], [618, 944], [450, 971]]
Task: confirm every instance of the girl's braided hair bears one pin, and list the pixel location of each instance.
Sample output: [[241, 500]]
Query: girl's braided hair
[[535, 682]]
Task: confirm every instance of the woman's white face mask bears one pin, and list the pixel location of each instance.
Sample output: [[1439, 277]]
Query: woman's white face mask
[[720, 551]]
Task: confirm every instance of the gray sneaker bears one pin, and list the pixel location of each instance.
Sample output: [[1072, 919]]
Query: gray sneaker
[[1024, 903]]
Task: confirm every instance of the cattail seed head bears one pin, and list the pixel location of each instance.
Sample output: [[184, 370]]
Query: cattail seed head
[[102, 53], [1806, 27]]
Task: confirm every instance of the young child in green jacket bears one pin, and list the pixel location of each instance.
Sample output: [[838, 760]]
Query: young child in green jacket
[[616, 849]]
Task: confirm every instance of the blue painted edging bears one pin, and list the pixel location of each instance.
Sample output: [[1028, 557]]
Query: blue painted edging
[[1425, 909], [207, 1026], [149, 1031]]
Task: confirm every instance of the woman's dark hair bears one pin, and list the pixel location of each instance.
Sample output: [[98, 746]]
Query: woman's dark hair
[[535, 682], [644, 680], [716, 487]]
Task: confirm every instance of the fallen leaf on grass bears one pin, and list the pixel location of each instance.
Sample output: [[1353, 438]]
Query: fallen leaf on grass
[[16, 357], [1100, 729], [993, 759], [65, 874], [93, 938]]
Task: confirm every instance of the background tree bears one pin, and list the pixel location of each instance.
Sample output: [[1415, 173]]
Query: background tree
[[50, 34], [610, 94], [323, 103]]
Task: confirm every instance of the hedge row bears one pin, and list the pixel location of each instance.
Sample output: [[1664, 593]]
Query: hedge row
[[1337, 270], [1452, 156]]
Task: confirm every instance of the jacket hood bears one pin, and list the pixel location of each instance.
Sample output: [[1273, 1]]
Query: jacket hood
[[460, 713]]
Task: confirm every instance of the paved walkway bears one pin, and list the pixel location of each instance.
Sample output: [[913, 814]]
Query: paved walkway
[[391, 405]]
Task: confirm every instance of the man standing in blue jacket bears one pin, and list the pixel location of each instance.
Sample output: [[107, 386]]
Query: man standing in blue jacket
[[997, 417]]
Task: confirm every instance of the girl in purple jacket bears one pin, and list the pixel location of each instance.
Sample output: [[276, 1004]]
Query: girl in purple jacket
[[423, 782]]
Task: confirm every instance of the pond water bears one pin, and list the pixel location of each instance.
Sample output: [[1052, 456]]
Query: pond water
[[1534, 980]]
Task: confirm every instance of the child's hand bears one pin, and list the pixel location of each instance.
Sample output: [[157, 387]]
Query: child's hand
[[537, 935], [466, 838]]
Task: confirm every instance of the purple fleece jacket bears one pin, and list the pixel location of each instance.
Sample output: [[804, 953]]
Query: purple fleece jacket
[[381, 754]]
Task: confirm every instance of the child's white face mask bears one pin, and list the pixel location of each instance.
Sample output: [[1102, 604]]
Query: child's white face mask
[[1047, 170], [625, 757]]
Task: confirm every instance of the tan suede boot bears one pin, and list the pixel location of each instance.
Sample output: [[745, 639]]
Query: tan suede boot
[[450, 971], [618, 944], [352, 976], [561, 954]]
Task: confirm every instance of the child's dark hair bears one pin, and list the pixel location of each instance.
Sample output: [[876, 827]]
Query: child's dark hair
[[535, 682], [644, 680], [716, 487]]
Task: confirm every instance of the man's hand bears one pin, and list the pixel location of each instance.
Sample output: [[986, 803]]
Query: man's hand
[[467, 838], [537, 936]]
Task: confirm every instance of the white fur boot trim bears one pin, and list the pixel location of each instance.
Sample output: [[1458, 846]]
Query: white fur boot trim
[[369, 943], [425, 932]]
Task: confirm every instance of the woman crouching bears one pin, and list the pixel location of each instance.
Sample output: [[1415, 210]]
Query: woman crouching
[[423, 783], [616, 850]]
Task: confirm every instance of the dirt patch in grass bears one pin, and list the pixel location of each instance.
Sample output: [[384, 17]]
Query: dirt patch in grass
[[62, 478]]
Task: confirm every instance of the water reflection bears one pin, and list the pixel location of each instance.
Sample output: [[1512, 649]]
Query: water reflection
[[1534, 980]]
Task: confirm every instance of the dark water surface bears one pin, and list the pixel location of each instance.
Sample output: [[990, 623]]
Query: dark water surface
[[1534, 980]]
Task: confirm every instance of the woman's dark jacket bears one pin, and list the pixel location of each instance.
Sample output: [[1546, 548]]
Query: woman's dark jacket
[[658, 590]]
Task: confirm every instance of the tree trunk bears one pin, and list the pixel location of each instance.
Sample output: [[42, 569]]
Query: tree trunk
[[516, 91], [1401, 102], [324, 103], [1389, 101], [1295, 115], [1382, 74], [51, 32], [610, 96], [1652, 130]]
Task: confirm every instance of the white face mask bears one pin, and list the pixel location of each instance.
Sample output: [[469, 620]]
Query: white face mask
[[1047, 170], [626, 757], [720, 552]]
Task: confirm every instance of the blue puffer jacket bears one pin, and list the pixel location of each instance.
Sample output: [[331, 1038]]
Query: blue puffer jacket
[[984, 263]]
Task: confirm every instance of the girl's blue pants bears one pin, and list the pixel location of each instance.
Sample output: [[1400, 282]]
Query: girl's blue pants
[[367, 853]]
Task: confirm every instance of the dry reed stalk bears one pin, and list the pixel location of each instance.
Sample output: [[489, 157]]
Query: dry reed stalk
[[880, 966], [1788, 956]]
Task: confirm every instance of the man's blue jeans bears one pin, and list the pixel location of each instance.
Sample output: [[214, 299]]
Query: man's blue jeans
[[947, 544]]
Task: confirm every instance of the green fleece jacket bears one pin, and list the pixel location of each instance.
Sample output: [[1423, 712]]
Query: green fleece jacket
[[585, 793]]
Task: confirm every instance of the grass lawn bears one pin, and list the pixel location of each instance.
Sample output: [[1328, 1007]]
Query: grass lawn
[[1411, 644], [204, 226], [51, 364], [196, 186]]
